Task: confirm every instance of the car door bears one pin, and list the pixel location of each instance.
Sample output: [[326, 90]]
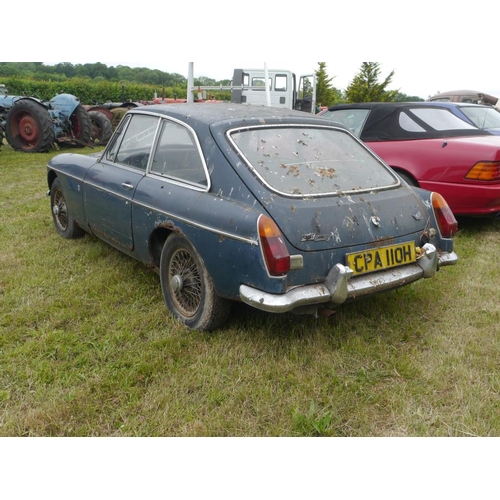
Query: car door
[[110, 184]]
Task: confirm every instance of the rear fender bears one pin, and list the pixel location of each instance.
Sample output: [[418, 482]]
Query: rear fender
[[65, 104], [100, 109], [431, 233]]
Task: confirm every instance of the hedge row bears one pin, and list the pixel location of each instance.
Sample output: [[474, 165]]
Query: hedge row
[[91, 92]]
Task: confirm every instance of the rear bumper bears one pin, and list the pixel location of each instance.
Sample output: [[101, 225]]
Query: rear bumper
[[340, 286]]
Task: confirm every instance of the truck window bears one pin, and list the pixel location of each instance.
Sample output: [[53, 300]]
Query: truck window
[[280, 84], [259, 81]]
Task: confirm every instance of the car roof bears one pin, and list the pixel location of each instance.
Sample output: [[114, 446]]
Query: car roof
[[486, 98], [199, 114], [382, 123]]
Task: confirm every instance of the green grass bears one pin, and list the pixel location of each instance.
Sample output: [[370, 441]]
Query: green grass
[[87, 347]]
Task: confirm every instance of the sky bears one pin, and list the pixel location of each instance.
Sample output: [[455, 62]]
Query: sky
[[431, 45]]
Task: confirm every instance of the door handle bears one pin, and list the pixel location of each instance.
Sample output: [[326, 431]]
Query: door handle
[[127, 185]]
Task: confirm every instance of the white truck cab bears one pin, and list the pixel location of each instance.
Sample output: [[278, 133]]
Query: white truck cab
[[249, 86]]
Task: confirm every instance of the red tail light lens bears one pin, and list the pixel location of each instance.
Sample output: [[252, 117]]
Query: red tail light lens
[[448, 225], [273, 247]]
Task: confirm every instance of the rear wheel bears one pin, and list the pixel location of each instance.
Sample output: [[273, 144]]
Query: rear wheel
[[63, 221], [102, 129], [81, 125], [29, 127], [187, 287]]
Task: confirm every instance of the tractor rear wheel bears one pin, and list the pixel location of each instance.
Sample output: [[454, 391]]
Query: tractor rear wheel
[[29, 127], [102, 129], [81, 126]]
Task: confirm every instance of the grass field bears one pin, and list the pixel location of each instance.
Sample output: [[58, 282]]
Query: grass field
[[87, 347]]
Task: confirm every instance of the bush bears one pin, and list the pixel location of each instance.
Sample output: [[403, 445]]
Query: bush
[[91, 91]]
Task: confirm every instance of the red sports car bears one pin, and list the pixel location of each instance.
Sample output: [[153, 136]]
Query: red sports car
[[431, 148]]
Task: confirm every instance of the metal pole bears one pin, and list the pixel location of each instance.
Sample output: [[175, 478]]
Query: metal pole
[[266, 80], [190, 97]]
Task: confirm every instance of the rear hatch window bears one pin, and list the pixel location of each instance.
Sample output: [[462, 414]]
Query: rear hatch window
[[303, 161]]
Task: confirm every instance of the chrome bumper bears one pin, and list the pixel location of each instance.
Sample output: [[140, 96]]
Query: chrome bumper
[[340, 286]]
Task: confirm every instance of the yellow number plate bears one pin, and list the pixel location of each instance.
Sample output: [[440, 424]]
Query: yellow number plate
[[381, 258]]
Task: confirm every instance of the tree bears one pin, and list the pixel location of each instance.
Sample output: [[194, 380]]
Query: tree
[[400, 97], [365, 86], [326, 94]]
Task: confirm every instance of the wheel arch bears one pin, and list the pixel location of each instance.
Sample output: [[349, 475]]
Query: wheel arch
[[406, 175], [157, 242], [51, 177]]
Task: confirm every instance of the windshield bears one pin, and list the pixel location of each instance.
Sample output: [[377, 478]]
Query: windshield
[[483, 117], [353, 119], [307, 161]]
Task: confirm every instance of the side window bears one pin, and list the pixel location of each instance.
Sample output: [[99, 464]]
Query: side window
[[177, 155], [135, 146], [408, 124], [353, 119], [260, 81]]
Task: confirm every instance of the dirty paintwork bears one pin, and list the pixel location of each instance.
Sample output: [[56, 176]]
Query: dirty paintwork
[[340, 220]]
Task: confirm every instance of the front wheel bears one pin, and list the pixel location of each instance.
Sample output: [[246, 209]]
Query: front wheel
[[63, 221], [187, 287]]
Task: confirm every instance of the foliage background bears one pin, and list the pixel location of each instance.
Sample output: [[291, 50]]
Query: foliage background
[[98, 83]]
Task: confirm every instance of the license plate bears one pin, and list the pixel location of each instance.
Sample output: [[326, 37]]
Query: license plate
[[381, 258]]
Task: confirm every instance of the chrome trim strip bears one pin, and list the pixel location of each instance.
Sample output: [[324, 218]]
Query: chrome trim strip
[[251, 241]]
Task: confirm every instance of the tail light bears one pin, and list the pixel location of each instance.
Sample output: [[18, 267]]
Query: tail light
[[274, 248], [448, 225], [484, 171]]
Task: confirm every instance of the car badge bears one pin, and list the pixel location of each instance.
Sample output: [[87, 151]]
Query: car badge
[[375, 220]]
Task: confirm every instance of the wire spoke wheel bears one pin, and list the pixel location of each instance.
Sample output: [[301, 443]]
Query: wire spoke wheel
[[188, 289], [185, 282], [64, 223], [60, 210]]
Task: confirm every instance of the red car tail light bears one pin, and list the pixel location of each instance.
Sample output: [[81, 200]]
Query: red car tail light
[[448, 225], [484, 171], [273, 247]]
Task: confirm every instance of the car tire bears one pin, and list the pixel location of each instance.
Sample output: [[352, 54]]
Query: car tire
[[188, 289], [63, 221]]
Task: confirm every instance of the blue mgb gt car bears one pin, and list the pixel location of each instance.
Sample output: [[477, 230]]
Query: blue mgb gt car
[[276, 208]]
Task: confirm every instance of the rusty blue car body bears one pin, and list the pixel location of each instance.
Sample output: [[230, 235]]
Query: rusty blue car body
[[276, 208]]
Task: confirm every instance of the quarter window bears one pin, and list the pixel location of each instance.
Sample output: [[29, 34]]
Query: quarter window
[[177, 155]]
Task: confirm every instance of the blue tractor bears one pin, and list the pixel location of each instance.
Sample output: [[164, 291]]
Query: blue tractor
[[32, 125]]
